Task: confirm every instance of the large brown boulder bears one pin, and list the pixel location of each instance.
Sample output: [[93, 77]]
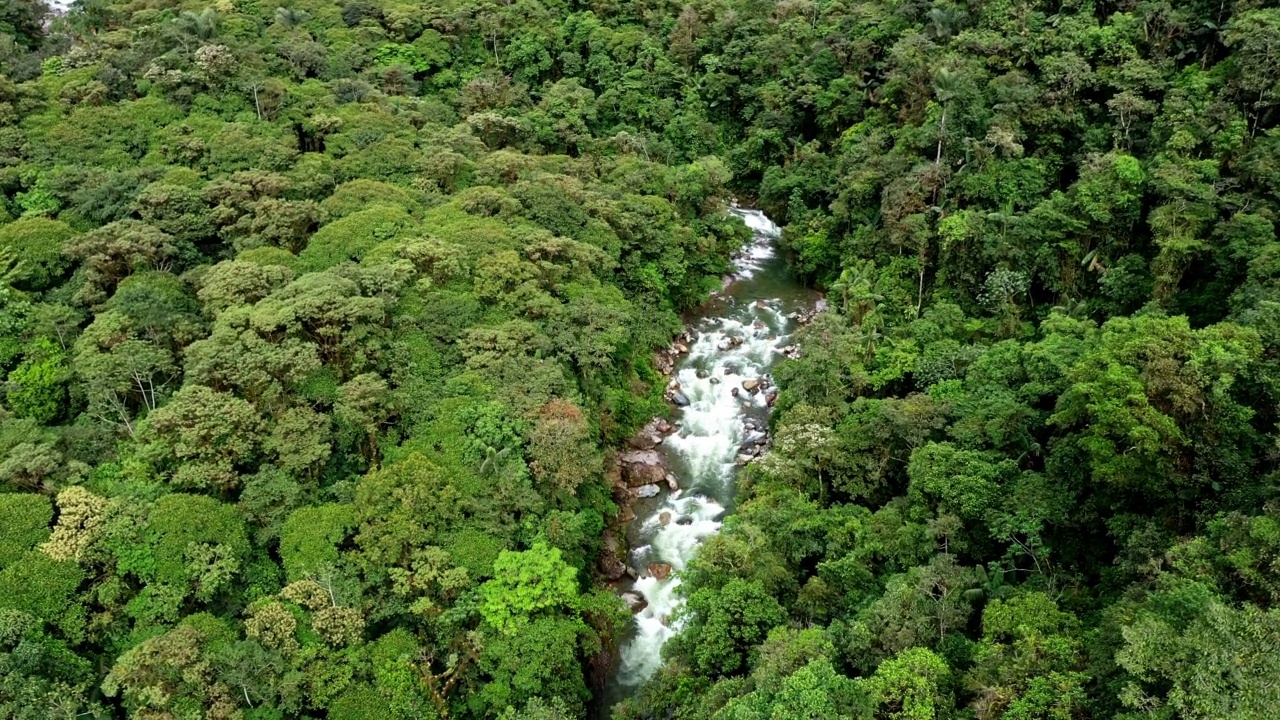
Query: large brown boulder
[[611, 567], [660, 571], [642, 467], [635, 601]]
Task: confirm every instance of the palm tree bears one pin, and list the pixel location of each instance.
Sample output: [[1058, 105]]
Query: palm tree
[[856, 288], [202, 26], [493, 458], [291, 17], [868, 341], [943, 21], [946, 86]]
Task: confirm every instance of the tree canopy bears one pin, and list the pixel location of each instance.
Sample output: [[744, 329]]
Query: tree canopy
[[319, 320]]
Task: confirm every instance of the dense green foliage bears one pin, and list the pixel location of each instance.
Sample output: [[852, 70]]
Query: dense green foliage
[[315, 326], [1026, 466], [316, 315]]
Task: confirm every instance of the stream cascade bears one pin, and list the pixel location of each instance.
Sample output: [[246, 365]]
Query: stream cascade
[[737, 338]]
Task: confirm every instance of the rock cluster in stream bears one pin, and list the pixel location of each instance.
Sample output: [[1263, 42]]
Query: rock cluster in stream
[[640, 471]]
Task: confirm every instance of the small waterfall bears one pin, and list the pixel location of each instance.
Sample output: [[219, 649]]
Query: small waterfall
[[725, 376]]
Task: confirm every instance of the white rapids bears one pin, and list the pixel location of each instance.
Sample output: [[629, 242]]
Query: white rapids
[[720, 418]]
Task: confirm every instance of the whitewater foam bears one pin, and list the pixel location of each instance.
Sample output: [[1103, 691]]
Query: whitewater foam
[[742, 344]]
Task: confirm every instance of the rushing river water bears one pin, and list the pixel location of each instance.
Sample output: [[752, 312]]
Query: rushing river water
[[738, 337]]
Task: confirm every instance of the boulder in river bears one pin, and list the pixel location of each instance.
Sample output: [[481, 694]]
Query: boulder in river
[[635, 601], [611, 567], [644, 441], [651, 435], [686, 520], [751, 385], [678, 398], [729, 342], [672, 484], [664, 518], [660, 571], [647, 491], [642, 467]]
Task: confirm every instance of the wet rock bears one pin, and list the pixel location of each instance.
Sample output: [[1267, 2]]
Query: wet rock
[[714, 381], [675, 394], [743, 459], [751, 385], [660, 571], [626, 515], [680, 349], [651, 434], [672, 483], [754, 437], [733, 392], [631, 573], [701, 374], [664, 518], [646, 491], [644, 441], [686, 520], [729, 343], [635, 601], [771, 397], [611, 567], [642, 467]]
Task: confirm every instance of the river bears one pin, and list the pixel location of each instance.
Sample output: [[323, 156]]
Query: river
[[738, 337]]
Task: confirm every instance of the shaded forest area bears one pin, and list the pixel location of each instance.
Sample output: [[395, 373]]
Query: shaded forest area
[[318, 320]]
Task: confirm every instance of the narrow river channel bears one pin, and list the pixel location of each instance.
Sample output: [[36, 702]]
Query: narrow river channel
[[737, 339]]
